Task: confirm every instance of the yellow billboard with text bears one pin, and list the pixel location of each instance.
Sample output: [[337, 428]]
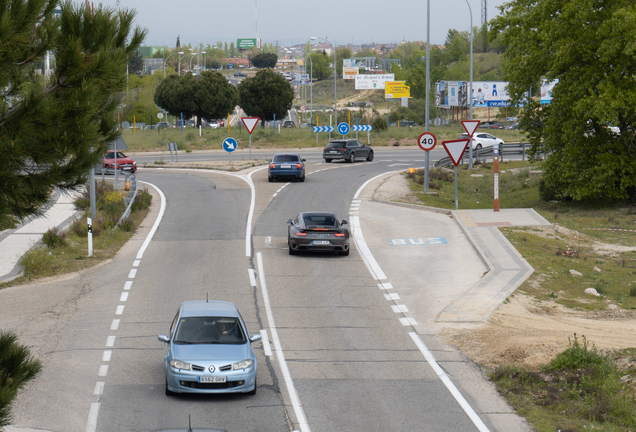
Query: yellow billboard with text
[[396, 89]]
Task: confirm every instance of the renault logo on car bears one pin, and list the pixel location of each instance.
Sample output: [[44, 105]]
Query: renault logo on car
[[211, 368]]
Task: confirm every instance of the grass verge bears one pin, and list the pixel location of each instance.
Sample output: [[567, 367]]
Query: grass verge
[[66, 251]]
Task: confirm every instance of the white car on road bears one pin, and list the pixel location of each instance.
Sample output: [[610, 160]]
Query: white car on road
[[483, 140]]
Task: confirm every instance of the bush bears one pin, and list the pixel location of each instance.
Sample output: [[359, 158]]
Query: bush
[[577, 356], [54, 237], [106, 222], [379, 124], [112, 203], [142, 200]]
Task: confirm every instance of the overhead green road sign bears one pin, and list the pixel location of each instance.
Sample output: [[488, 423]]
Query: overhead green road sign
[[247, 43]]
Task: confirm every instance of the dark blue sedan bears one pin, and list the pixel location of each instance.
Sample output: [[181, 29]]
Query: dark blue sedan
[[285, 165]]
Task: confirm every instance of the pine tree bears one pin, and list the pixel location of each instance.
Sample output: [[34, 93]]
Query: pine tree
[[17, 367], [52, 132]]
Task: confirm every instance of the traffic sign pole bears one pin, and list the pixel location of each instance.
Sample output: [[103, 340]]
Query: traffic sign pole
[[427, 142], [495, 170], [456, 200]]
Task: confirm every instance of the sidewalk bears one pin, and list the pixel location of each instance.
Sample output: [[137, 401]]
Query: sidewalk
[[14, 243]]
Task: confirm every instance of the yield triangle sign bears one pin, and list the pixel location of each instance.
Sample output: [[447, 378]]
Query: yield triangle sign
[[250, 123], [455, 149], [470, 126]]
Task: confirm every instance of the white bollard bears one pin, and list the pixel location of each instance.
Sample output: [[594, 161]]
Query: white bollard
[[90, 237]]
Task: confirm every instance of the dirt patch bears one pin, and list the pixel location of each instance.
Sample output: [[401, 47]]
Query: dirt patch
[[525, 331]]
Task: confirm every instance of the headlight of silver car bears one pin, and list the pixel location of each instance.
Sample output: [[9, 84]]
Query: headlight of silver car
[[178, 364], [243, 364]]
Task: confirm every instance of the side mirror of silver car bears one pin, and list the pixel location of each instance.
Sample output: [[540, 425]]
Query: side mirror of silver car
[[289, 221], [255, 337], [163, 338]]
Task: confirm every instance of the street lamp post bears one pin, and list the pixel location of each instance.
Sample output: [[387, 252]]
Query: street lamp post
[[311, 88], [470, 90], [192, 54], [166, 60], [335, 75]]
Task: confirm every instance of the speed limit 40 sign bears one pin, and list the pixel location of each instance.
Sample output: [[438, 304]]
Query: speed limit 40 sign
[[427, 141]]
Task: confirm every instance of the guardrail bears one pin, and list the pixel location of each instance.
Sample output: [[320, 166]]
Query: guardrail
[[504, 150]]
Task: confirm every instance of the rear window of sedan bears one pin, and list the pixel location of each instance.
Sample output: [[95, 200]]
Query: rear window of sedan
[[286, 158], [319, 220], [336, 144]]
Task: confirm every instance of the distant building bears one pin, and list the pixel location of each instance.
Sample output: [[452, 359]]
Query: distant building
[[149, 51], [152, 64]]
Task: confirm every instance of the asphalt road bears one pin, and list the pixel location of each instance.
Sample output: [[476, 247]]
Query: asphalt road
[[340, 361]]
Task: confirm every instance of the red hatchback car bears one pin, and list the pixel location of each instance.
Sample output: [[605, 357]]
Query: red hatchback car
[[124, 163]]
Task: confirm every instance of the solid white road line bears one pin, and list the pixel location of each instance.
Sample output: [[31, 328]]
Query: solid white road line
[[162, 210], [448, 383], [289, 383], [363, 249], [266, 346]]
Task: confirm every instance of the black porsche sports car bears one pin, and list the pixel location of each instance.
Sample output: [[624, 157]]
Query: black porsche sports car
[[317, 231]]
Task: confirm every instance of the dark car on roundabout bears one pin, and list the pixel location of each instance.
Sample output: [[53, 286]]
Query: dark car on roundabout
[[209, 350], [347, 150], [286, 165], [317, 232]]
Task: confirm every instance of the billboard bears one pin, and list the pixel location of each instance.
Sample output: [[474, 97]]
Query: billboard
[[396, 89], [372, 82], [349, 72], [248, 43], [546, 91], [453, 92], [490, 94], [360, 62]]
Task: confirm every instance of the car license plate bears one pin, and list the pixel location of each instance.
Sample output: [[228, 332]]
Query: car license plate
[[333, 152], [285, 166], [321, 242], [212, 379]]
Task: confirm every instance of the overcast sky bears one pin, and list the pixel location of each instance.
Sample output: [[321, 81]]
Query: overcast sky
[[290, 21]]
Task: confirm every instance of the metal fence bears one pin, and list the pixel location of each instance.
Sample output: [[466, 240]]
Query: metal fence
[[504, 150]]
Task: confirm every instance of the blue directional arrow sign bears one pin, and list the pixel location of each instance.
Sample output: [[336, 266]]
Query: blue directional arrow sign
[[360, 128], [343, 128], [323, 128], [229, 144]]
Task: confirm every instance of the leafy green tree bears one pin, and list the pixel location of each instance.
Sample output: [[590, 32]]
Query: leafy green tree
[[320, 66], [266, 60], [342, 53], [208, 96], [17, 367], [265, 95], [53, 132], [589, 49]]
